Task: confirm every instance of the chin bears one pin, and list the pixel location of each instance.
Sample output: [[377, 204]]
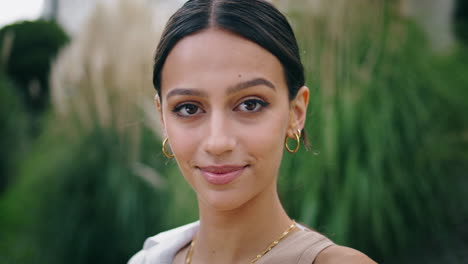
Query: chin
[[224, 200]]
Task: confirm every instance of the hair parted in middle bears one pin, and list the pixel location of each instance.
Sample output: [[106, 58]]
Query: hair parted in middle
[[255, 20]]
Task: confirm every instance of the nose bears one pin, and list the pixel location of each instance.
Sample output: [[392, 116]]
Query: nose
[[219, 138]]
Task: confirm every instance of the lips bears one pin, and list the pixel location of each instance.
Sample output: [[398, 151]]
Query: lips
[[220, 175]]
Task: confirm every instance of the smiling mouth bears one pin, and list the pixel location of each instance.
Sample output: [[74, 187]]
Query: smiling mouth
[[220, 175]]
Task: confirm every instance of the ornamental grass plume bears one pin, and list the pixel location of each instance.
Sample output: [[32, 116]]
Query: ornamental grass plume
[[104, 76]]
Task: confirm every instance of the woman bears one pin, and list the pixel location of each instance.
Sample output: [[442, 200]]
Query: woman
[[230, 93]]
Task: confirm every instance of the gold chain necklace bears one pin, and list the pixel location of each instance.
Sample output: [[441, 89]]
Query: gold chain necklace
[[188, 258]]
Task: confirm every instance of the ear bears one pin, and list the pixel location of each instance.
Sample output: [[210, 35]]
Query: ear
[[298, 111], [157, 102]]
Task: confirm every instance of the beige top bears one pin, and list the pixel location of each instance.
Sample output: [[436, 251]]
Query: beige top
[[301, 247]]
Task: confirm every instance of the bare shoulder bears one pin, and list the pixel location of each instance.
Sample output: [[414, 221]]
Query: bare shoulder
[[338, 254]]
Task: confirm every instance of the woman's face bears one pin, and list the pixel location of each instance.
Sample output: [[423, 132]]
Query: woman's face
[[225, 109]]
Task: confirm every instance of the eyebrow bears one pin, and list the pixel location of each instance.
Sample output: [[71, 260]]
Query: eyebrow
[[247, 84], [185, 91], [233, 89]]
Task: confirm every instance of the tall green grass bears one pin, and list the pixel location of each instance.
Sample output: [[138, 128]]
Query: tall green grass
[[388, 131], [79, 200]]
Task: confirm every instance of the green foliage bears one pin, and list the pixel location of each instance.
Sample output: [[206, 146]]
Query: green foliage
[[13, 136], [33, 45], [387, 124], [461, 20], [13, 142], [80, 200]]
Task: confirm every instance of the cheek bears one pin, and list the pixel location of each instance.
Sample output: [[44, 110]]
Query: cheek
[[184, 143], [265, 142], [184, 146]]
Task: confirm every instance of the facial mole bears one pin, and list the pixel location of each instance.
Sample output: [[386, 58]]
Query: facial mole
[[240, 75]]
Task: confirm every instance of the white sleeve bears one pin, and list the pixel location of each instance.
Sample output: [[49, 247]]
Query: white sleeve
[[137, 258]]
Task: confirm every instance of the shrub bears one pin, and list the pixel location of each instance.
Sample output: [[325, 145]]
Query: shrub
[[33, 45]]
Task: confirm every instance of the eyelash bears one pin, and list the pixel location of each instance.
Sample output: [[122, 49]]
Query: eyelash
[[179, 108], [262, 104], [257, 101]]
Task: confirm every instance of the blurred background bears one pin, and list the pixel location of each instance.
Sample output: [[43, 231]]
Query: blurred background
[[82, 178]]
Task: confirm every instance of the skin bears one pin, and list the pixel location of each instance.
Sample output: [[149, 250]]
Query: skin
[[224, 101]]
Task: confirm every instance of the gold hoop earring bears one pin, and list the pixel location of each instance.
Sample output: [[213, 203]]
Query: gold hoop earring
[[169, 156], [298, 142]]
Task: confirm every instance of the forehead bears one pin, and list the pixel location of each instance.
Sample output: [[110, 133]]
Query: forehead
[[218, 58]]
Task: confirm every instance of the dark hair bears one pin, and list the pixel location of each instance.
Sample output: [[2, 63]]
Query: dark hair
[[255, 20]]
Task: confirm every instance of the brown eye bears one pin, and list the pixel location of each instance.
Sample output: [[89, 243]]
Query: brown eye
[[187, 110], [190, 109], [251, 105]]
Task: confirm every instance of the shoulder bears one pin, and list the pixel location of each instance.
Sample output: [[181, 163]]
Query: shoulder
[[164, 246], [137, 258], [338, 254]]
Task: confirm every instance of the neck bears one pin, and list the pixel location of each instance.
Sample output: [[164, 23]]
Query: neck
[[238, 235]]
